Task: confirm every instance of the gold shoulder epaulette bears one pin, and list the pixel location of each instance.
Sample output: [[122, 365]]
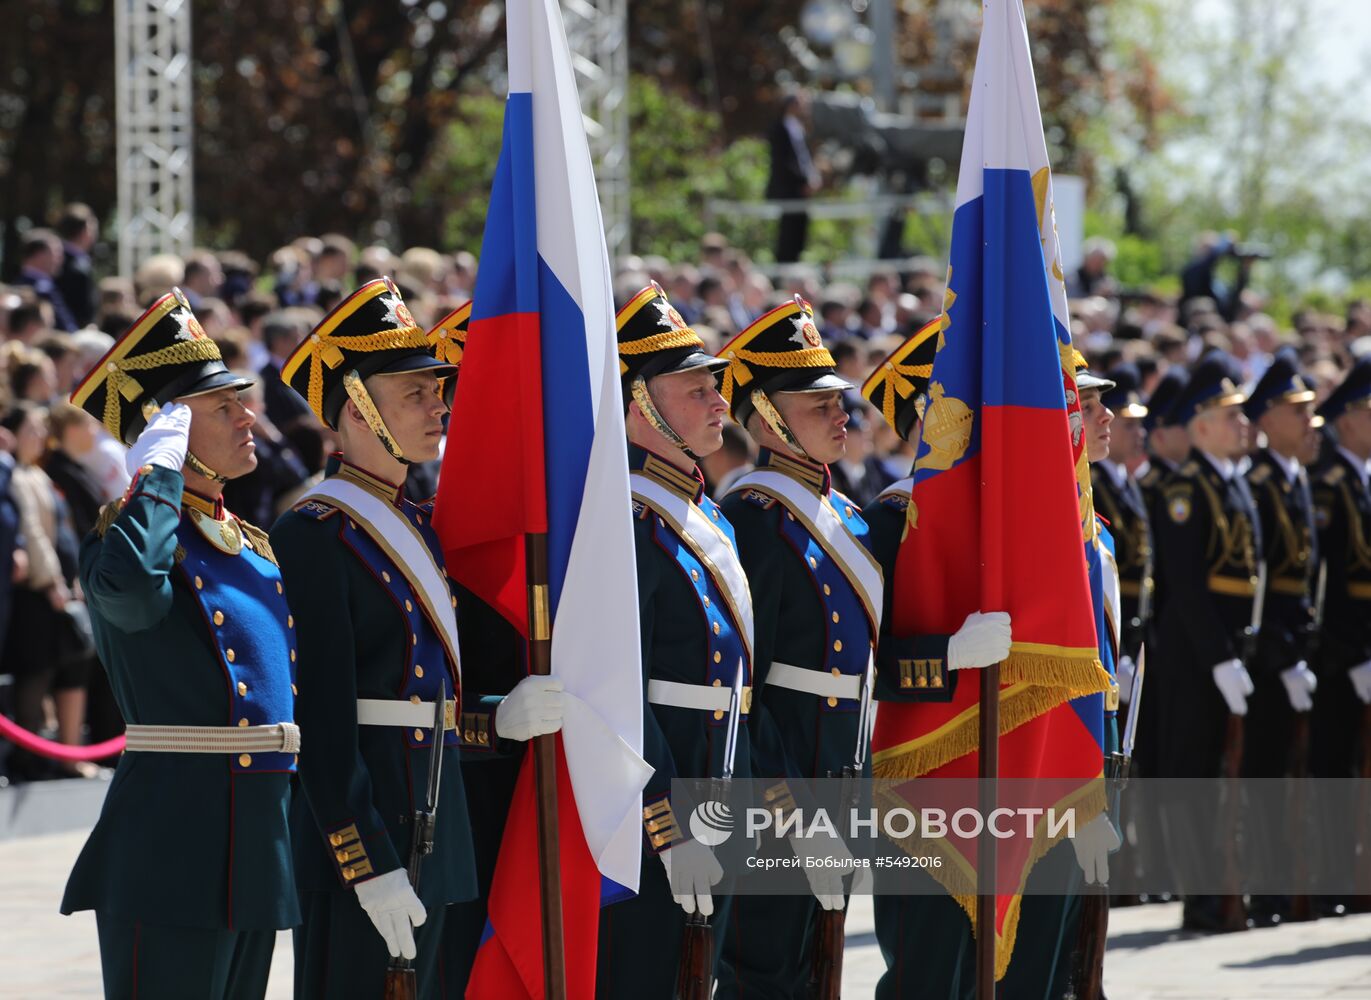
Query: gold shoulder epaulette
[[258, 540], [1259, 474], [1334, 475], [1150, 480], [108, 513], [1190, 468]]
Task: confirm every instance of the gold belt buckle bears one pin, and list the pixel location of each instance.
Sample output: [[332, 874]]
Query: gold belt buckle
[[450, 714], [745, 704]]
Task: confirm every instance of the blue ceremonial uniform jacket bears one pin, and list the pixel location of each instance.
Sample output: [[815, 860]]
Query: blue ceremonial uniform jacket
[[190, 635], [807, 615], [363, 634], [688, 636]]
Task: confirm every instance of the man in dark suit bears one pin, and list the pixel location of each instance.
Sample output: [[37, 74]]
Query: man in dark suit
[[78, 229], [40, 259], [793, 174]]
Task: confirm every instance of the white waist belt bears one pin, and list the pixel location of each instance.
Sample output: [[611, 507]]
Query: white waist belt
[[814, 682], [284, 737], [405, 714], [704, 697]]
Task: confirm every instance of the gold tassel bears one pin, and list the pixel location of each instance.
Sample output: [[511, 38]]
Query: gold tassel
[[108, 514]]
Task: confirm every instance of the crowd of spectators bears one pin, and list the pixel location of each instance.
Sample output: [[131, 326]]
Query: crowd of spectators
[[58, 317]]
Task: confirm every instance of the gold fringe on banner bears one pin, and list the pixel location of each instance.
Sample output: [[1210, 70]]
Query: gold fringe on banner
[[958, 877]]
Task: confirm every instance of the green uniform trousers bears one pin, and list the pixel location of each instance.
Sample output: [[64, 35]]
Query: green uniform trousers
[[339, 954], [142, 961]]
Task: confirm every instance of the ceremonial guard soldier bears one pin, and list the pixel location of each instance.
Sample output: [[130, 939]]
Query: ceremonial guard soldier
[[1281, 406], [1119, 500], [696, 624], [188, 868], [377, 649], [1208, 552], [925, 937], [1341, 727]]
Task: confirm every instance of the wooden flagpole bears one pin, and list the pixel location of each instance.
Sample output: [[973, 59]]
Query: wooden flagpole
[[544, 750], [989, 770]]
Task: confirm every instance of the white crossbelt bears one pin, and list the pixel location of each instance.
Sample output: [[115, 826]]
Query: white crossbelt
[[284, 737], [814, 682], [405, 714], [702, 697]]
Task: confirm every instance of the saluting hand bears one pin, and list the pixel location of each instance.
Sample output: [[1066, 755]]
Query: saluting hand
[[163, 442]]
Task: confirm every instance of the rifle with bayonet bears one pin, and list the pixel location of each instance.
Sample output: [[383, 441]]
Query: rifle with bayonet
[[400, 979], [695, 966], [1232, 912], [1088, 974], [1301, 905], [826, 968]]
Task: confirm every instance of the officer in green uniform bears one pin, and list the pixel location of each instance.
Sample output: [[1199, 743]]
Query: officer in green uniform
[[1342, 513], [695, 616], [924, 937], [1208, 543], [378, 647], [188, 869]]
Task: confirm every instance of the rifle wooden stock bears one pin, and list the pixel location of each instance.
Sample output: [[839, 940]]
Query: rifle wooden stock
[[400, 982], [1232, 912], [695, 967], [1301, 906], [826, 969]]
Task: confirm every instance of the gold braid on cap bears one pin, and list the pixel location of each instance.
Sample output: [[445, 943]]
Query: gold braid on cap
[[777, 423], [665, 341], [895, 378], [120, 383], [357, 392], [329, 351], [738, 372], [655, 419], [448, 345]]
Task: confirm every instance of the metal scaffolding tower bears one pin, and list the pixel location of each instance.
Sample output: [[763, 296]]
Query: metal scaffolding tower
[[153, 115], [597, 31]]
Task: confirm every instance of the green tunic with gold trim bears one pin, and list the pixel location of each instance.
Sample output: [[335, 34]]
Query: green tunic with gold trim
[[191, 623]]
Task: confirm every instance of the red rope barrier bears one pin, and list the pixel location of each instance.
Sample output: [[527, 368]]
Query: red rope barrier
[[34, 743]]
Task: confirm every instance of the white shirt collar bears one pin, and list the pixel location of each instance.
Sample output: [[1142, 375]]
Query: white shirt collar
[[1224, 466], [1115, 471], [1290, 466], [1361, 465]]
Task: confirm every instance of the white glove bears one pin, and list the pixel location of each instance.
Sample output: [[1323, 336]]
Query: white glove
[[1234, 684], [1361, 681], [163, 442], [982, 640], [825, 861], [393, 907], [533, 708], [1124, 672], [1300, 683], [1092, 844], [692, 870]]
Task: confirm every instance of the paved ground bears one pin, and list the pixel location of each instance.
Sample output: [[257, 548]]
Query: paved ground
[[43, 954]]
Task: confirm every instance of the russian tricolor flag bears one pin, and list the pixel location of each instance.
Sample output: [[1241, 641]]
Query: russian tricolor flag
[[537, 444], [998, 512]]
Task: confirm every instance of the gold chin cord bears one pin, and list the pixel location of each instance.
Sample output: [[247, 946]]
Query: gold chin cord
[[644, 400], [777, 423], [357, 392], [150, 408]]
